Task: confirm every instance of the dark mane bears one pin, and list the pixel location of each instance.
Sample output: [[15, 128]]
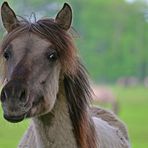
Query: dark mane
[[76, 83], [78, 93]]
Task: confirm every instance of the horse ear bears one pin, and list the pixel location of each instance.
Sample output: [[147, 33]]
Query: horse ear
[[9, 18], [64, 17]]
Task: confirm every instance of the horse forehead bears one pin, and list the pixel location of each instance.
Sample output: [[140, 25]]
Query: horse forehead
[[29, 43]]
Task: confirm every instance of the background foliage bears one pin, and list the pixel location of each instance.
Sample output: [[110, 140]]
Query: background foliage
[[113, 34]]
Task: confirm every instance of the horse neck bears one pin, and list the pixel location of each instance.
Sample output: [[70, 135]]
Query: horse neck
[[55, 128]]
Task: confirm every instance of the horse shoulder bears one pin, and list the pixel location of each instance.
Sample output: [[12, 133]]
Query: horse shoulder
[[111, 131]]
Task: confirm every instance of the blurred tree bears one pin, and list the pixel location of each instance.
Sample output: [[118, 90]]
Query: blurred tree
[[113, 34]]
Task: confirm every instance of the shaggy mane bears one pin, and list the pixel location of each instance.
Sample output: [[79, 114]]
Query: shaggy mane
[[78, 94]]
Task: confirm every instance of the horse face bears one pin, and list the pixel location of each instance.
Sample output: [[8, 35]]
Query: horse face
[[32, 72], [32, 63]]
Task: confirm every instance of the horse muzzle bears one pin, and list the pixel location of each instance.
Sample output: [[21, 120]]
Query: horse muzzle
[[15, 104]]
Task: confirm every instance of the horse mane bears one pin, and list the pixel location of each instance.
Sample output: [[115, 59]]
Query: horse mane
[[78, 94], [76, 83]]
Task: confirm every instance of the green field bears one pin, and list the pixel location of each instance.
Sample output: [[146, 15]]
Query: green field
[[133, 110]]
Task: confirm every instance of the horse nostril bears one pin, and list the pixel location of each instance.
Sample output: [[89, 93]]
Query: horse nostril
[[23, 95], [3, 95]]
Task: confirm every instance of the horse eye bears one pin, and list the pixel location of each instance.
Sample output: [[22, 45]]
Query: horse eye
[[6, 55], [52, 56]]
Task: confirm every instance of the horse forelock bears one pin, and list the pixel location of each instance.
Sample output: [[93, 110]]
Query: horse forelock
[[49, 30]]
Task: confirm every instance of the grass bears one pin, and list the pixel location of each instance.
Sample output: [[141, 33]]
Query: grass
[[10, 134], [133, 111]]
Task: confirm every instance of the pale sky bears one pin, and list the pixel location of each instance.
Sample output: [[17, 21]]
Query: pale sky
[[132, 1]]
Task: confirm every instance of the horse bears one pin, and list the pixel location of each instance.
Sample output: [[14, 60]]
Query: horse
[[45, 80], [104, 96]]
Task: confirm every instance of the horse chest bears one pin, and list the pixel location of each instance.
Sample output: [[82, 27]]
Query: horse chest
[[55, 138], [58, 133]]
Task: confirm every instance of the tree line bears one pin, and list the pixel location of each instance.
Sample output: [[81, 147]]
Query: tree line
[[111, 35]]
